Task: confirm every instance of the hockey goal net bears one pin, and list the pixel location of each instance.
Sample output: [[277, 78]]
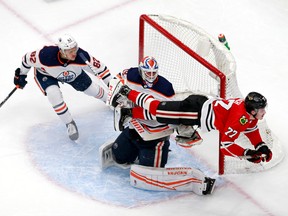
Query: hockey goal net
[[196, 62]]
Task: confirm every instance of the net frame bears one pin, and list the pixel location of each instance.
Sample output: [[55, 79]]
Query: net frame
[[214, 74]]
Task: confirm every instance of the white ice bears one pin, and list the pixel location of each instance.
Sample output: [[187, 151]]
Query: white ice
[[257, 34]]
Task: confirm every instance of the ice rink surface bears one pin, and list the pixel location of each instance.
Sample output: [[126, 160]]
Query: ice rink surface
[[44, 174]]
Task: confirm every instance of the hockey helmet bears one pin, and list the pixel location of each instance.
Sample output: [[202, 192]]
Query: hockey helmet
[[255, 101], [148, 69], [66, 42]]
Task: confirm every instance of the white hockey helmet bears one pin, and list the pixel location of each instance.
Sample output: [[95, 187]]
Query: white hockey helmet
[[66, 42], [148, 69]]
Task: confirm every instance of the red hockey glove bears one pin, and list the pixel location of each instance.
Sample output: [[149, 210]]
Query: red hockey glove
[[253, 156], [263, 149], [19, 80]]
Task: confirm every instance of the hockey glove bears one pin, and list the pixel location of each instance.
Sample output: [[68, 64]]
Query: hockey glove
[[263, 149], [187, 136], [253, 156], [19, 80]]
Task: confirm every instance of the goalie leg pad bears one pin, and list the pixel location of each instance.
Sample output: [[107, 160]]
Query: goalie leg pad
[[171, 179], [106, 157], [147, 135]]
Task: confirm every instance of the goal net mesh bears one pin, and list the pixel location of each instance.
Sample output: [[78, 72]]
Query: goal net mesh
[[195, 62]]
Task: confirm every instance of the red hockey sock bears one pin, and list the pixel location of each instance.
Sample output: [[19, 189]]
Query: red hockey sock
[[144, 100], [137, 112]]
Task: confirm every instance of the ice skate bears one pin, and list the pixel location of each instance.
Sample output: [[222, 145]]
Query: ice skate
[[187, 136], [72, 130]]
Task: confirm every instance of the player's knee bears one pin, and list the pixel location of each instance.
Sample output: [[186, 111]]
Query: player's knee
[[123, 149], [54, 94], [123, 154], [95, 91]]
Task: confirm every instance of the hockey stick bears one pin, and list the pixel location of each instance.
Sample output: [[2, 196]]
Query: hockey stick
[[100, 82], [9, 95]]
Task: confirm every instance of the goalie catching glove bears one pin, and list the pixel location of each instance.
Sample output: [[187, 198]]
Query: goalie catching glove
[[117, 93], [19, 80]]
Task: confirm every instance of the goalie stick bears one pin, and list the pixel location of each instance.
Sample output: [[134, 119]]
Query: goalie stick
[[100, 82], [9, 95]]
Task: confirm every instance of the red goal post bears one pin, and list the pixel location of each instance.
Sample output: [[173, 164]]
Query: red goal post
[[196, 62]]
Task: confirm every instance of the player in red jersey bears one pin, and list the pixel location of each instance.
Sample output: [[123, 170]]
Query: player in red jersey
[[229, 116]]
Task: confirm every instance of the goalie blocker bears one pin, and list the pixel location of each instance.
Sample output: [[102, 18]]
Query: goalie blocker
[[171, 179]]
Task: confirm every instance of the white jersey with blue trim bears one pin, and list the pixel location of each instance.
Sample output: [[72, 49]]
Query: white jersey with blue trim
[[49, 62]]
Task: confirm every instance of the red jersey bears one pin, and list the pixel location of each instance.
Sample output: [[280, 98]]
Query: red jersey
[[230, 118]]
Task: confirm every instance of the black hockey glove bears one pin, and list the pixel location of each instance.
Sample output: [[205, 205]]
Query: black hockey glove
[[19, 80], [263, 149], [253, 156]]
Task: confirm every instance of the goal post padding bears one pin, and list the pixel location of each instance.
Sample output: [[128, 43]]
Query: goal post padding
[[196, 62]]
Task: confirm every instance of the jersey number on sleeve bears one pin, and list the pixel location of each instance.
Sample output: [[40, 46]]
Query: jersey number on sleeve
[[96, 63], [33, 57]]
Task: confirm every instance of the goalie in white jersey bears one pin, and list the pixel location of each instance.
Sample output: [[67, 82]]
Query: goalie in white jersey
[[151, 148], [148, 140], [65, 63]]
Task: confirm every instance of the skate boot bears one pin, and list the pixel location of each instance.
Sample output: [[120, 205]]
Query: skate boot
[[72, 130], [210, 184], [187, 136]]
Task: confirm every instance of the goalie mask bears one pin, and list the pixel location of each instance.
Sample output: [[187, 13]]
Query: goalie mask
[[255, 101], [148, 69]]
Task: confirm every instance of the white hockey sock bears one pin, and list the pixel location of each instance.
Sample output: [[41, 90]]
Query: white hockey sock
[[105, 76], [144, 100], [54, 96], [97, 92]]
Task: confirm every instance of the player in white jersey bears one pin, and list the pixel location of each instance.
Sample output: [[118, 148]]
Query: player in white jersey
[[65, 63]]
